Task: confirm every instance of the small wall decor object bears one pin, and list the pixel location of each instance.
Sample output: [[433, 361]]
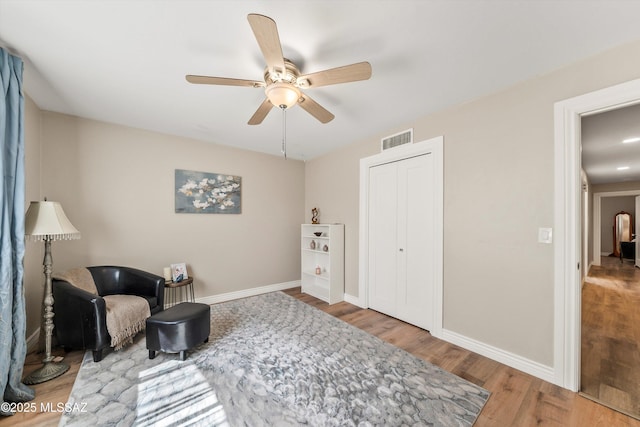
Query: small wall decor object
[[202, 192], [314, 216], [179, 272]]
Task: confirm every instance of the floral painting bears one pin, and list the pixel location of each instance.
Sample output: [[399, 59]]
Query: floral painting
[[202, 192]]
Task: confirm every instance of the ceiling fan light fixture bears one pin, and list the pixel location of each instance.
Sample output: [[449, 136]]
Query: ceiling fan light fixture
[[282, 94]]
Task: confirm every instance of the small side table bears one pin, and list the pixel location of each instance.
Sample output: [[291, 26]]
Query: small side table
[[172, 288]]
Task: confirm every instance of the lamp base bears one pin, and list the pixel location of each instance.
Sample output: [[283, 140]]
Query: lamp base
[[46, 372]]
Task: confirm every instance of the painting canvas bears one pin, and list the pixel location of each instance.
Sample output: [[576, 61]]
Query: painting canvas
[[203, 192]]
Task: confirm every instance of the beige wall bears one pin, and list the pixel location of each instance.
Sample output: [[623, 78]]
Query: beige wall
[[331, 185], [116, 185], [616, 186], [498, 190]]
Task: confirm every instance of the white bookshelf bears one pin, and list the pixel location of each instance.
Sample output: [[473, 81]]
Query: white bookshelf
[[326, 252]]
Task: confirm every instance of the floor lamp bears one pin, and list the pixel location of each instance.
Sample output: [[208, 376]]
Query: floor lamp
[[47, 221]]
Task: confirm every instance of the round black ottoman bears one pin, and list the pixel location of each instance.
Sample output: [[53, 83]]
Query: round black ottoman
[[178, 328]]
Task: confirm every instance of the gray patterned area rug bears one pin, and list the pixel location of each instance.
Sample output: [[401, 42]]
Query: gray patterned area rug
[[272, 360]]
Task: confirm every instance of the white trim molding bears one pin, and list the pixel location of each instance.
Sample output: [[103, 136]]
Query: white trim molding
[[214, 299], [353, 300], [435, 147], [499, 355], [567, 219], [33, 340]]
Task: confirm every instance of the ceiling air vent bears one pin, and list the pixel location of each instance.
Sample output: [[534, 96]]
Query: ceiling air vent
[[401, 138]]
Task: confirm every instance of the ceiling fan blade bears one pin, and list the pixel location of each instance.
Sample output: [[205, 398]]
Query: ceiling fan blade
[[261, 112], [345, 74], [208, 80], [315, 109], [266, 33]]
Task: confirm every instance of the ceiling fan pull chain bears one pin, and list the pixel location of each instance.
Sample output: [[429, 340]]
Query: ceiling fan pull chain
[[284, 130]]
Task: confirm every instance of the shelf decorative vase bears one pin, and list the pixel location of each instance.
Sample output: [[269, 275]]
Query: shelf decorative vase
[[318, 270], [325, 248], [312, 245]]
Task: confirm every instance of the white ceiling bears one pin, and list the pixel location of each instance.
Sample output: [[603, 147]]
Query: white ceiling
[[603, 151], [125, 61]]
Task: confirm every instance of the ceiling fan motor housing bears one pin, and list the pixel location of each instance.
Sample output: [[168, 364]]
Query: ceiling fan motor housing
[[290, 74], [282, 88]]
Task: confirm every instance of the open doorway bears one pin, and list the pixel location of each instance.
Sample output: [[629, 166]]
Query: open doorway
[[610, 292], [567, 221]]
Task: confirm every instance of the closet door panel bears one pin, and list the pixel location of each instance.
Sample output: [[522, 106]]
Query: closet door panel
[[416, 240], [382, 238]]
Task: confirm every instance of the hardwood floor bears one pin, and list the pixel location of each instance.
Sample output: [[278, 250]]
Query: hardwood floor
[[517, 399], [610, 370], [48, 394]]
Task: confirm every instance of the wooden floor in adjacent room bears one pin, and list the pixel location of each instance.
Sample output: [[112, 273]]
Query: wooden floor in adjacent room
[[610, 370], [517, 399]]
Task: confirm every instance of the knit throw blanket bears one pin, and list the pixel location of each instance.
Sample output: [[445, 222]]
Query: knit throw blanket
[[126, 314]]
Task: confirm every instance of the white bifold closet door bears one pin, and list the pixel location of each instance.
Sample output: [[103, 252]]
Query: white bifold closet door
[[401, 239]]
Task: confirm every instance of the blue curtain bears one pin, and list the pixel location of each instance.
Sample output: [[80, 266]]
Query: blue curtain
[[13, 346]]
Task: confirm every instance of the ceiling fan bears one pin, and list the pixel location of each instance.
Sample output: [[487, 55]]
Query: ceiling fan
[[283, 82]]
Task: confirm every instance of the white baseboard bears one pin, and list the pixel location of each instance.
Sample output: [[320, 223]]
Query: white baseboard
[[513, 360], [353, 300], [214, 299], [33, 340]]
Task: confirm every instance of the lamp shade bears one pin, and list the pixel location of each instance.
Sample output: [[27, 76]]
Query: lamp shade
[[280, 94], [47, 220]]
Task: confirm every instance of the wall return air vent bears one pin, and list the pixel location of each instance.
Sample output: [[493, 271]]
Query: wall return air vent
[[395, 140]]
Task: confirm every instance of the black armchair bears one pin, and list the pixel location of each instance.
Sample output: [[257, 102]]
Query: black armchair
[[80, 316]]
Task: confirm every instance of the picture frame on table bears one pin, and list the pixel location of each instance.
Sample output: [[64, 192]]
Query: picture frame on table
[[179, 272]]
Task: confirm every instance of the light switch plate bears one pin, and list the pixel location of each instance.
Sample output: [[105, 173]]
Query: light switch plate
[[545, 235]]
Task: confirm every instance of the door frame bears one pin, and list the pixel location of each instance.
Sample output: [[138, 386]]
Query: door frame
[[433, 146], [567, 221]]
